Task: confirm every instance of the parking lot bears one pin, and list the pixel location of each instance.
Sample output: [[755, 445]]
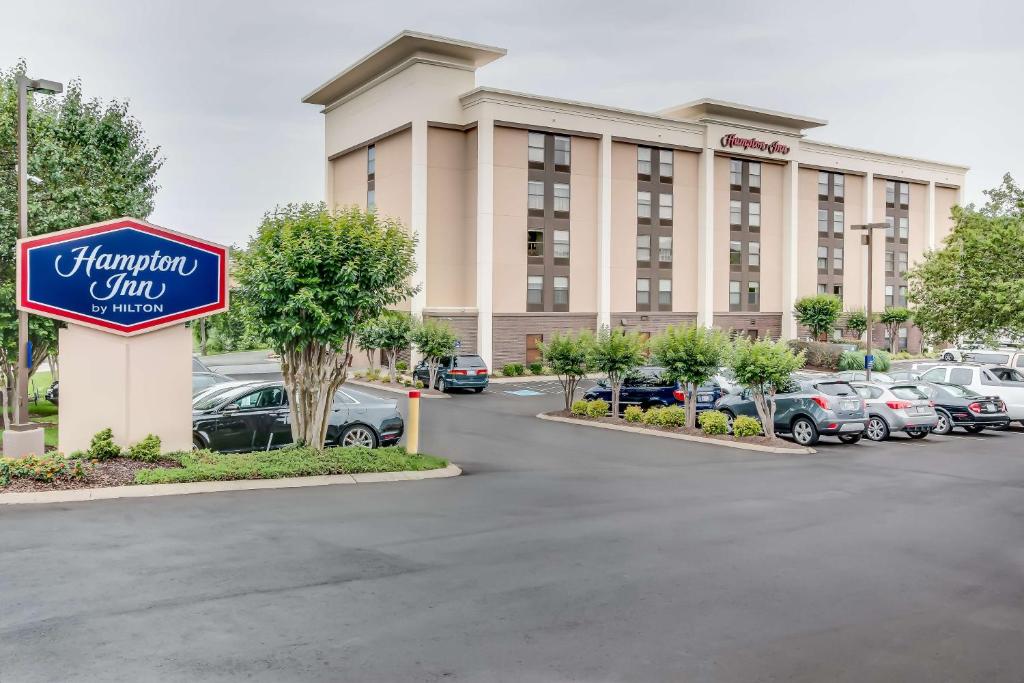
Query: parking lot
[[564, 553]]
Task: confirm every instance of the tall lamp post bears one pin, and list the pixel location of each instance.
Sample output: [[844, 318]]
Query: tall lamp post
[[25, 84], [865, 239]]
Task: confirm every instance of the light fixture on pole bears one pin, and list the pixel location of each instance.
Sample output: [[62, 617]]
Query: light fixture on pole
[[866, 239], [25, 85]]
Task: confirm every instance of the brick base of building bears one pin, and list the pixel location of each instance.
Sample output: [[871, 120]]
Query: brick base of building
[[463, 324], [510, 330], [759, 325], [651, 323]]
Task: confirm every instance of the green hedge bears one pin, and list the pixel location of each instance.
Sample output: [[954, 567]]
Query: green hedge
[[744, 425], [819, 354], [713, 422], [854, 360]]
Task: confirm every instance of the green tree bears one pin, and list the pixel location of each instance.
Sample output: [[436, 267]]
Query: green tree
[[1007, 200], [819, 314], [857, 320], [93, 163], [434, 340], [763, 367], [395, 334], [974, 286], [893, 317], [691, 355], [615, 353], [568, 357], [310, 278], [230, 330], [370, 338]]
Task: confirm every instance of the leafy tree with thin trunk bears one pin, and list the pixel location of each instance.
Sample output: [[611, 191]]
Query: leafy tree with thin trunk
[[434, 340], [615, 353], [310, 278], [691, 355], [763, 367], [893, 317], [370, 340], [857, 320], [818, 314], [568, 357], [395, 334]]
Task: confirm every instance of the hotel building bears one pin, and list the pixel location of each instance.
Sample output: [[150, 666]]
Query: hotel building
[[537, 214]]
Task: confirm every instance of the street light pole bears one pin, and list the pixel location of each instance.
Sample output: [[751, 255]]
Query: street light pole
[[25, 84], [865, 239]]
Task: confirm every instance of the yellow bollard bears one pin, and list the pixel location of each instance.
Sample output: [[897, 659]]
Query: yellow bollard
[[412, 434]]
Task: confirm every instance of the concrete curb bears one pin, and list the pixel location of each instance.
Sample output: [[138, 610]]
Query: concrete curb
[[682, 437], [151, 490], [404, 391], [501, 379]]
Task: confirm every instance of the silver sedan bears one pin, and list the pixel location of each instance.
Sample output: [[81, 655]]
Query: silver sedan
[[896, 408]]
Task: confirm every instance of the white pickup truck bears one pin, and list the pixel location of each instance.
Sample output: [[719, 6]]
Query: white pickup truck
[[984, 381], [1011, 358]]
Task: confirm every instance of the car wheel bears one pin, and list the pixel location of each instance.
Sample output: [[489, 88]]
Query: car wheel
[[917, 435], [804, 432], [974, 429], [944, 425], [477, 390], [441, 385], [729, 418], [850, 438], [197, 443], [948, 357], [358, 435], [877, 429]]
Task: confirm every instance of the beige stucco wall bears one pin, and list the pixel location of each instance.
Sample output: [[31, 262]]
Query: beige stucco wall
[[945, 200], [394, 177], [583, 225], [469, 203], [771, 238], [510, 177], [878, 248], [917, 240], [684, 231], [720, 279], [349, 179], [807, 232], [623, 238], [855, 254], [451, 248], [134, 385]]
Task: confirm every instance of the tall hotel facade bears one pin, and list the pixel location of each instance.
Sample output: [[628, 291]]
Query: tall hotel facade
[[537, 215]]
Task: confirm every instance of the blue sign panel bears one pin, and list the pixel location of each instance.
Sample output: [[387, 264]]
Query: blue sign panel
[[124, 276], [869, 362]]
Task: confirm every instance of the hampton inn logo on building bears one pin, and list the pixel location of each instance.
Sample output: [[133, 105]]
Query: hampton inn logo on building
[[775, 147]]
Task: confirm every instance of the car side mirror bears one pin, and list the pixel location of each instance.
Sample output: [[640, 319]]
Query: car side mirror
[[229, 408]]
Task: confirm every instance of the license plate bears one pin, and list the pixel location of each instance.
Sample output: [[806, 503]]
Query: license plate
[[988, 408], [851, 405], [852, 427], [704, 397]]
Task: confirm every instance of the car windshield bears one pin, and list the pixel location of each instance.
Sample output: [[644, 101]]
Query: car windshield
[[835, 388], [908, 393], [215, 397], [958, 391], [469, 362]]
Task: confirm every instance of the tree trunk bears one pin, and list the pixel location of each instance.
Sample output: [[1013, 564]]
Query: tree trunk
[[202, 336], [432, 364], [392, 355], [691, 405], [616, 386], [766, 412], [569, 384], [312, 376]]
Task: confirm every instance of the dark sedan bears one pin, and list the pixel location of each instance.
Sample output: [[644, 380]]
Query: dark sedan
[[248, 416], [647, 387], [958, 406]]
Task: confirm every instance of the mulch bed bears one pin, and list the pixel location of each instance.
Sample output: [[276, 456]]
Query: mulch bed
[[112, 472], [760, 440]]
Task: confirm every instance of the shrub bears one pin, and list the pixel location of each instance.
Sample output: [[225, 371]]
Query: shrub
[[633, 414], [418, 384], [513, 370], [385, 380], [401, 366], [651, 416], [147, 450], [744, 425], [854, 360], [579, 408], [672, 416], [713, 422], [903, 355], [536, 368], [102, 445], [568, 358], [598, 408], [819, 354], [43, 468]]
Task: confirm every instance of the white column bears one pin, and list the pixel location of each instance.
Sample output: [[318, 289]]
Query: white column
[[706, 239], [929, 218], [485, 239], [790, 187], [869, 217], [604, 234], [418, 200]]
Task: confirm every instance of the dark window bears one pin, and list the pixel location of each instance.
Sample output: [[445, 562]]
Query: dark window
[[535, 243], [371, 162], [753, 294]]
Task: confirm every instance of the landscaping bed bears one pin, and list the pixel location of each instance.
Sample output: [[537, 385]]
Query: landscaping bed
[[113, 472]]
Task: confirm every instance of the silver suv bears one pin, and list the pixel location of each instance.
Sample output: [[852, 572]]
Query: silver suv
[[896, 408]]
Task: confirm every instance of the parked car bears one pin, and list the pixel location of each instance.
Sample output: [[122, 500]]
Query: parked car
[[955, 353], [204, 380], [464, 371], [647, 387], [957, 406], [1006, 357], [862, 376], [247, 416], [896, 408], [53, 393], [810, 407], [199, 366], [903, 375], [982, 381]]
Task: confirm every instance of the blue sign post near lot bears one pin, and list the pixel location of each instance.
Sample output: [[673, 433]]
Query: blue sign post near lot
[[869, 362]]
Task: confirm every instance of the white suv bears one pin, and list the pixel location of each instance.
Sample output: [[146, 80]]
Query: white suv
[[983, 381]]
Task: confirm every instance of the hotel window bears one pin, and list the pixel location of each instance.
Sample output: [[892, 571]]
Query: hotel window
[[643, 161], [643, 291], [754, 217], [536, 150], [903, 338], [562, 153], [888, 295], [753, 294], [735, 255], [561, 242], [754, 254], [890, 193], [890, 232], [904, 227], [561, 290], [735, 214], [838, 224], [665, 294], [837, 260], [665, 249], [902, 258], [736, 173], [371, 162], [822, 221], [838, 186], [533, 342], [837, 290], [535, 290], [890, 263], [822, 288], [535, 196], [901, 295], [734, 295], [754, 175], [643, 248], [904, 195], [822, 259], [534, 242], [561, 192], [823, 186], [371, 200], [643, 205], [665, 169], [665, 208]]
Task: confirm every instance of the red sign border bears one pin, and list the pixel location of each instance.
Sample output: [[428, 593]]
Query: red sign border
[[24, 304]]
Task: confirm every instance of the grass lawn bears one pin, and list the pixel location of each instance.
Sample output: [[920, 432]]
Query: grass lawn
[[41, 410]]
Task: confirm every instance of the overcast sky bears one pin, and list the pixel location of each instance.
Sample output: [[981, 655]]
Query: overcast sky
[[217, 84]]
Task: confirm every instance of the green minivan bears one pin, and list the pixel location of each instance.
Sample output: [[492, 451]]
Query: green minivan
[[463, 371]]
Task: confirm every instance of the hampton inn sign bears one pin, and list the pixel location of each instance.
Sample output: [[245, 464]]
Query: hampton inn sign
[[774, 147]]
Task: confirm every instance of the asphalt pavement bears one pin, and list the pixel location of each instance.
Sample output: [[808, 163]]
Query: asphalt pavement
[[563, 554]]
